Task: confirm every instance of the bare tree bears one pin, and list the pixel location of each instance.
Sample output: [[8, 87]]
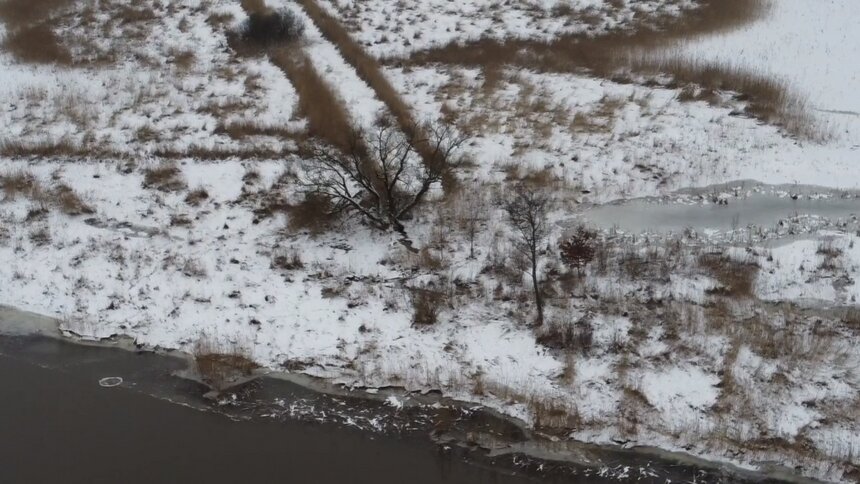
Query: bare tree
[[527, 212], [381, 175]]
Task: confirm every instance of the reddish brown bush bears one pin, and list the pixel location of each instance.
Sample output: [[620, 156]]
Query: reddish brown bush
[[578, 250]]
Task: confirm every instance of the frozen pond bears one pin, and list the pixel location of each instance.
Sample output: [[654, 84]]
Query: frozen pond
[[758, 209]]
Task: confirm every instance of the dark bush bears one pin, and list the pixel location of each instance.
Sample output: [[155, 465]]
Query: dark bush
[[287, 259], [312, 214], [273, 27], [579, 249], [426, 305], [567, 335]]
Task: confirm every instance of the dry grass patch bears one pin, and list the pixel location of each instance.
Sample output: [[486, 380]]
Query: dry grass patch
[[197, 196], [254, 6], [69, 202], [47, 148], [313, 214], [370, 71], [166, 177], [20, 183], [26, 12], [184, 60], [62, 196], [367, 67], [426, 305], [127, 14], [737, 279], [36, 44], [40, 236], [327, 117], [246, 128], [221, 366]]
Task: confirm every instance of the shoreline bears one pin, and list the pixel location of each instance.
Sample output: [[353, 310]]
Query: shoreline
[[536, 446]]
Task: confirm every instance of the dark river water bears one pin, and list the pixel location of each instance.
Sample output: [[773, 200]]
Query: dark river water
[[57, 425]]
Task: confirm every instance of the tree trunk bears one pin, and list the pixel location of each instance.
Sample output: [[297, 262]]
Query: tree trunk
[[536, 285]]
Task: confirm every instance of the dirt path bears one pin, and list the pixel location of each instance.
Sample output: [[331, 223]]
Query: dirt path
[[367, 67]]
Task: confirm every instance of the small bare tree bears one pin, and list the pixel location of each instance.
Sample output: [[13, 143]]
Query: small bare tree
[[473, 210], [382, 176], [527, 212]]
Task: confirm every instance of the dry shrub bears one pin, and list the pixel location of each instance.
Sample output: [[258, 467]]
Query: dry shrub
[[37, 44], [272, 27], [567, 335], [829, 248], [221, 366], [180, 220], [544, 178], [220, 18], [166, 177], [40, 236], [287, 259], [737, 279], [851, 318], [426, 305], [20, 183], [426, 260], [69, 202], [312, 214], [184, 60], [552, 415], [146, 133], [197, 196], [193, 268]]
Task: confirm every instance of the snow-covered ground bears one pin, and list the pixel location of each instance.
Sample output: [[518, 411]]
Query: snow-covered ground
[[144, 101], [813, 48], [811, 45], [396, 29]]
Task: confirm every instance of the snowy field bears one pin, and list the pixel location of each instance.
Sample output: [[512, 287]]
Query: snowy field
[[407, 26], [716, 343], [812, 46], [171, 88]]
